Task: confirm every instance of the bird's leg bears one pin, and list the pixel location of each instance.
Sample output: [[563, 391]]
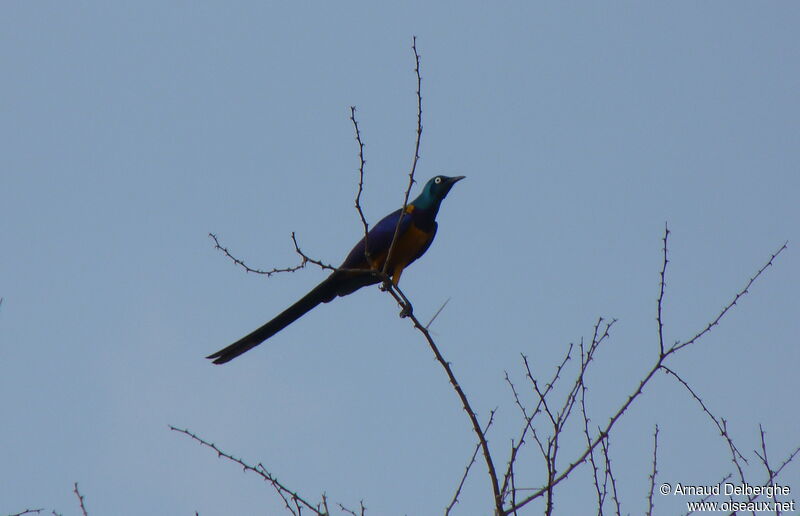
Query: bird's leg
[[395, 278], [406, 304], [407, 309]]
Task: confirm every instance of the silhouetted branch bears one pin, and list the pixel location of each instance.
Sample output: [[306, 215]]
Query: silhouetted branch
[[706, 497], [476, 427], [27, 511], [362, 162], [601, 493], [466, 470], [508, 478], [80, 500], [247, 268], [719, 422], [662, 284], [653, 474], [289, 497], [413, 161], [606, 445], [678, 345], [557, 410], [362, 509], [773, 474], [547, 489]]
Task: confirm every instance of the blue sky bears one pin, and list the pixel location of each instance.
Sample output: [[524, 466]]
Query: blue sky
[[131, 130]]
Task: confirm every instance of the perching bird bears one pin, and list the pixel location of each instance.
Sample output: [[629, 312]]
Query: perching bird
[[417, 230]]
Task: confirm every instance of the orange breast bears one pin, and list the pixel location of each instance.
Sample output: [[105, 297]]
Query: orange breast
[[407, 247]]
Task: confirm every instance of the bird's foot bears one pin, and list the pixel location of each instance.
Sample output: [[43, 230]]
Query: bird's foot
[[385, 286], [406, 311]]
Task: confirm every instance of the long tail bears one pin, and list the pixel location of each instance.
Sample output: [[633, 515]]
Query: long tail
[[322, 293]]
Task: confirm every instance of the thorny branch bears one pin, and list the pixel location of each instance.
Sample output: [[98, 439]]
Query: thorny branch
[[293, 501], [720, 423], [362, 509], [362, 163], [653, 474], [680, 345], [505, 496], [454, 501], [606, 445], [80, 500], [476, 427], [413, 161], [603, 432], [247, 268]]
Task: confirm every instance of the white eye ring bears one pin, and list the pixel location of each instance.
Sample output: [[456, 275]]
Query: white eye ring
[[438, 180]]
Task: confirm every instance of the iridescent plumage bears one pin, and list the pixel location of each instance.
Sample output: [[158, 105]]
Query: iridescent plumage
[[417, 231]]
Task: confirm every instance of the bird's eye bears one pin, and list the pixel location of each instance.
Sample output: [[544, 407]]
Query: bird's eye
[[438, 180]]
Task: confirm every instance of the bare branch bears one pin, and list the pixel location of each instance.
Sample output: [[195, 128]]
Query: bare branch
[[653, 474], [660, 302], [719, 422], [360, 182], [307, 259], [659, 364], [600, 492], [476, 427], [362, 509], [466, 470], [27, 511], [706, 497], [247, 268], [606, 445], [765, 461], [80, 500], [508, 477], [774, 473], [285, 493], [414, 161], [678, 345]]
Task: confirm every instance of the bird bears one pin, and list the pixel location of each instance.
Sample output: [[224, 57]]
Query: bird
[[416, 232]]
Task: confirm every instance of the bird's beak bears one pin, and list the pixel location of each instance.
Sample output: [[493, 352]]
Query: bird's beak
[[456, 179]]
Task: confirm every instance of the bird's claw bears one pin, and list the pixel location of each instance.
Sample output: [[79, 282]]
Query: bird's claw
[[406, 311]]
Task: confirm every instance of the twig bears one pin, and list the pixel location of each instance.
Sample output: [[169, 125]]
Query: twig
[[466, 470], [247, 268], [709, 495], [307, 259], [476, 427], [678, 345], [362, 162], [653, 474], [362, 509], [606, 445], [509, 474], [413, 162], [437, 313], [600, 493], [719, 422], [285, 493], [27, 511], [80, 500], [774, 474], [660, 302], [765, 462], [638, 391]]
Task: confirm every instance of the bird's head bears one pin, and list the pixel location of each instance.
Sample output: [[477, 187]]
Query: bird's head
[[435, 190]]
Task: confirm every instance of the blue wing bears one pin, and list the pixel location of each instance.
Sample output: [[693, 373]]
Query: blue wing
[[379, 239]]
